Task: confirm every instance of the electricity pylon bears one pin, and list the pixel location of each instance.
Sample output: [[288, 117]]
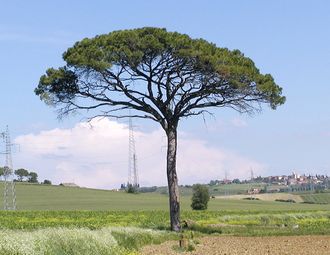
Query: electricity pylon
[[252, 175], [9, 195], [133, 178], [226, 183], [251, 183]]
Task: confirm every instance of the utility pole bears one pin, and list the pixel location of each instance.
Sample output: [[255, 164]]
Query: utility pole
[[226, 183], [251, 183], [9, 195], [252, 175], [133, 177]]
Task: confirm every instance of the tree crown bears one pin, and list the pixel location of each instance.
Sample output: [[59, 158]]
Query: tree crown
[[21, 172], [161, 75]]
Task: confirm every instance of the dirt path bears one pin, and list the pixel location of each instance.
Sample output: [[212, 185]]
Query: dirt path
[[293, 245]]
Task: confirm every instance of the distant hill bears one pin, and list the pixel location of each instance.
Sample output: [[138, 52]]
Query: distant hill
[[52, 197], [215, 190]]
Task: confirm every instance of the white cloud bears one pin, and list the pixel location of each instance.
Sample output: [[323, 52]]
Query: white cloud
[[97, 155]]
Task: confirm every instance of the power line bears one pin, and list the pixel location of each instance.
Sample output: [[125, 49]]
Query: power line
[[226, 183]]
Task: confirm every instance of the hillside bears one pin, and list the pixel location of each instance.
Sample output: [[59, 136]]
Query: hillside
[[216, 190], [316, 198], [50, 197]]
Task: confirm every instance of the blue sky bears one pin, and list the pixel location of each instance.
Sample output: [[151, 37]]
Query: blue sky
[[289, 39]]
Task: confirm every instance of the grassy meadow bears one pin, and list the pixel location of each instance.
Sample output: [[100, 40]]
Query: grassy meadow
[[65, 220], [51, 197], [125, 232], [316, 198]]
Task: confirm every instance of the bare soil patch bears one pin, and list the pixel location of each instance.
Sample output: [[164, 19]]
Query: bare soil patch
[[230, 245], [266, 197]]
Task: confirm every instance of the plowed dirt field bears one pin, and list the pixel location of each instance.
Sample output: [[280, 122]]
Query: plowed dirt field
[[293, 245]]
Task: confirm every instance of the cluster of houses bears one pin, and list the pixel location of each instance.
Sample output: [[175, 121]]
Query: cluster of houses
[[282, 183], [293, 182], [295, 179]]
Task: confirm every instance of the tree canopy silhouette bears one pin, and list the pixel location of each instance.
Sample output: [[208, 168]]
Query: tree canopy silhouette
[[159, 75]]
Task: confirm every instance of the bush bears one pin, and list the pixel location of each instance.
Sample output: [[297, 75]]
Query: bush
[[285, 200], [251, 198], [200, 197]]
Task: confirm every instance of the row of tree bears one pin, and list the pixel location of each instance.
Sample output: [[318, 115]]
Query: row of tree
[[24, 175]]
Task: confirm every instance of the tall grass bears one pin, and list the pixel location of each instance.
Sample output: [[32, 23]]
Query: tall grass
[[64, 241], [260, 224]]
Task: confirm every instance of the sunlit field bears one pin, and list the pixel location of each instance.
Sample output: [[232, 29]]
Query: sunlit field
[[50, 197], [59, 220]]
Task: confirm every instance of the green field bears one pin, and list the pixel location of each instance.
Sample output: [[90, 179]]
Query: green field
[[226, 220], [50, 197], [233, 189], [316, 198], [97, 232], [65, 220], [217, 190]]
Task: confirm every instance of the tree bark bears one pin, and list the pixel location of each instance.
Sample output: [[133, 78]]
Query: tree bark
[[172, 179]]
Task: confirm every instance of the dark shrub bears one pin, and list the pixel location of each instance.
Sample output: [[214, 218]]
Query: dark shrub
[[200, 197]]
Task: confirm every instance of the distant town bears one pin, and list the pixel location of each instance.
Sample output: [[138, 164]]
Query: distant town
[[255, 185], [282, 183]]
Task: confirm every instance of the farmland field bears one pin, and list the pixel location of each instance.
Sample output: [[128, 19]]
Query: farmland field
[[317, 198], [267, 197], [56, 206], [233, 189], [119, 233], [293, 245], [159, 219], [55, 216], [50, 197], [218, 190]]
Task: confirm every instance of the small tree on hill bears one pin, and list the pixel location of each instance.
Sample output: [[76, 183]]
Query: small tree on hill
[[236, 181], [21, 174], [200, 198], [33, 177]]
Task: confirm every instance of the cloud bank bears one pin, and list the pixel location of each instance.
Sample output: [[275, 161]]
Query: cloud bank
[[96, 155]]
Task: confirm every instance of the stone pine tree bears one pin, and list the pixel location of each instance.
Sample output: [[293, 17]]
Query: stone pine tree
[[158, 75]]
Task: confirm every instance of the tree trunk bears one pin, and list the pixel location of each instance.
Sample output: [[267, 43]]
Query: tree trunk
[[172, 179]]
